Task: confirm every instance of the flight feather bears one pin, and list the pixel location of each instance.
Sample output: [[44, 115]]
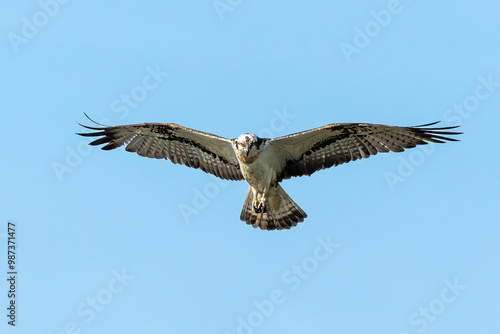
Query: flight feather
[[179, 144], [331, 145]]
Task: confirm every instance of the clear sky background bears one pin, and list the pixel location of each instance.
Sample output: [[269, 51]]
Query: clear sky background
[[109, 242]]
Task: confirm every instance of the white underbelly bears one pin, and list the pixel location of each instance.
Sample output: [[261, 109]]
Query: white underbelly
[[259, 175]]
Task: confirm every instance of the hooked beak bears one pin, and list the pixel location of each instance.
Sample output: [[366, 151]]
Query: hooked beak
[[247, 150]]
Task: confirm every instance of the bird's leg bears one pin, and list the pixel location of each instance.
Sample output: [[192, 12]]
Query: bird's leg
[[255, 202], [259, 203], [271, 192]]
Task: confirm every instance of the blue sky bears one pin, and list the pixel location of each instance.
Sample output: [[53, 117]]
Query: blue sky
[[111, 242]]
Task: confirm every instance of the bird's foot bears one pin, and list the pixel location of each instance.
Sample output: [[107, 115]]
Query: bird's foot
[[259, 206]]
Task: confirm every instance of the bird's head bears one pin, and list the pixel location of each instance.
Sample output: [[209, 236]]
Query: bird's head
[[247, 146]]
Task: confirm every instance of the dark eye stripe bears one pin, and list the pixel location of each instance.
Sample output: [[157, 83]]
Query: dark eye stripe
[[258, 144]]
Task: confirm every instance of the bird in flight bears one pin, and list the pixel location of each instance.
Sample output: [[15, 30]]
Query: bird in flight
[[265, 162]]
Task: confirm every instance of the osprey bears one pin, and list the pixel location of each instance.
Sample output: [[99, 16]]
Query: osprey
[[265, 162]]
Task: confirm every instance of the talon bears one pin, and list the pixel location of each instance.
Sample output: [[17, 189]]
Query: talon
[[259, 207]]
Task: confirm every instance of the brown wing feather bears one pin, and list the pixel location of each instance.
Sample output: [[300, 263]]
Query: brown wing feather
[[181, 145], [335, 144]]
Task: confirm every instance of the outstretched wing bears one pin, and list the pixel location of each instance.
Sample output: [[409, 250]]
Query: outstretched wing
[[181, 145], [331, 145]]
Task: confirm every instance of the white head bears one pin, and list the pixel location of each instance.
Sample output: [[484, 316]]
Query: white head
[[248, 146]]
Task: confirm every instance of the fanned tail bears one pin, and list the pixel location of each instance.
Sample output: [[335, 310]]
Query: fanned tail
[[282, 212]]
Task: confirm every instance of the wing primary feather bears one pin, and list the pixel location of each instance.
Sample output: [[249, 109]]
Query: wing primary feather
[[428, 124], [363, 149], [335, 144], [180, 145], [93, 120]]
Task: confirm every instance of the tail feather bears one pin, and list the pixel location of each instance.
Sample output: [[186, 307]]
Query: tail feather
[[282, 212]]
